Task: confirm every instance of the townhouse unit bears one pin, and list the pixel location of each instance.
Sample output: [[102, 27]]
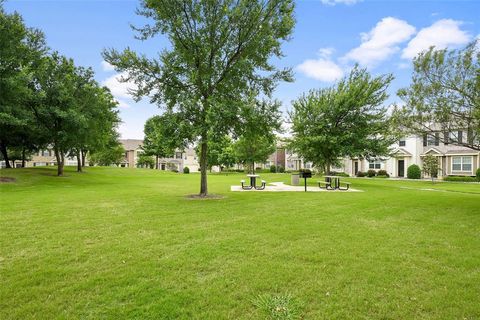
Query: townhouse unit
[[42, 157], [452, 159], [178, 161]]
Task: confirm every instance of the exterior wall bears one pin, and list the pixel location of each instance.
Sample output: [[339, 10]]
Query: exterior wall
[[413, 152]]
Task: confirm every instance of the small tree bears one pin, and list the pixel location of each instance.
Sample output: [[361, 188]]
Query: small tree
[[146, 161], [431, 166], [163, 134]]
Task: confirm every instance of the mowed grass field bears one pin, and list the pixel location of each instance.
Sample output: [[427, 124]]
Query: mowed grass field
[[115, 243]]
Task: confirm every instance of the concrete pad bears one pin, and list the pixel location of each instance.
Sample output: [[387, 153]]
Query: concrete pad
[[281, 187]]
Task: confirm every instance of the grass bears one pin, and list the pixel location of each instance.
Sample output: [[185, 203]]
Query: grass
[[121, 243]]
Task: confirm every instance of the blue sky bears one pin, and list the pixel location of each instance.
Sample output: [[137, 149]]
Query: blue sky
[[329, 38]]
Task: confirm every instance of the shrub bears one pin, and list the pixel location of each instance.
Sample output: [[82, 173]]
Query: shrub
[[361, 174], [186, 170], [281, 169], [478, 174], [371, 173], [460, 179], [382, 173], [413, 172], [273, 168]]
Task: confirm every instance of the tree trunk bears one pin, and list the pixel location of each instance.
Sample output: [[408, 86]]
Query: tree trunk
[[23, 157], [203, 167], [327, 168], [253, 167], [60, 161], [84, 155], [3, 149], [79, 161], [156, 162]]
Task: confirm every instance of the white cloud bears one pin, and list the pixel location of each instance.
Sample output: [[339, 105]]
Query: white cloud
[[381, 42], [334, 2], [107, 66], [323, 68], [442, 34], [119, 89]]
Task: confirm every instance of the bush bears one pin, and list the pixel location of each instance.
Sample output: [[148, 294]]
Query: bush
[[478, 174], [382, 173], [460, 179], [361, 174], [413, 172], [371, 173], [280, 169], [273, 168], [186, 170]]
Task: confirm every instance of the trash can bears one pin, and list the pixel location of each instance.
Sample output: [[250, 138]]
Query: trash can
[[295, 179]]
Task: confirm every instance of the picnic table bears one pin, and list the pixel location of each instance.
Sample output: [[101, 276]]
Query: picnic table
[[253, 183], [332, 183]]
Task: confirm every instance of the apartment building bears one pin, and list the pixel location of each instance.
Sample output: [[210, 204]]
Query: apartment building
[[452, 159], [178, 161]]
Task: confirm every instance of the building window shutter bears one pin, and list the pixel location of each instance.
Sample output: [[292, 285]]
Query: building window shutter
[[437, 138], [460, 138], [424, 139], [445, 137]]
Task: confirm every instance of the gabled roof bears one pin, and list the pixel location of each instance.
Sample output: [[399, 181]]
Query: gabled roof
[[433, 151], [131, 144], [401, 152]]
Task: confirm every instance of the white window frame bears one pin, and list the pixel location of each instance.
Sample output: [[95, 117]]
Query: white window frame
[[374, 163], [462, 163]]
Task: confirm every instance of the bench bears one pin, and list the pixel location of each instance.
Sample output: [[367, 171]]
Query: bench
[[347, 184], [264, 183], [324, 185], [244, 187]]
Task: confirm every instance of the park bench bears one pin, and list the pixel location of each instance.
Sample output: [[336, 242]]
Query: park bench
[[347, 186], [324, 185]]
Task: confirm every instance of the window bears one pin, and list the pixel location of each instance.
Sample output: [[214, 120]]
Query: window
[[455, 136], [462, 163], [178, 155], [431, 139], [402, 143], [46, 153], [374, 164]]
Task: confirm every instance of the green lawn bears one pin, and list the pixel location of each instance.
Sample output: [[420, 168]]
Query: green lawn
[[126, 244]]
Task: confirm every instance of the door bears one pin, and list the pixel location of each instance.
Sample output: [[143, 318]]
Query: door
[[401, 168], [163, 166], [355, 171]]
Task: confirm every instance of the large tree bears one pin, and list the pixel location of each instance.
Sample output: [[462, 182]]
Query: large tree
[[20, 52], [56, 106], [444, 96], [348, 119], [220, 52]]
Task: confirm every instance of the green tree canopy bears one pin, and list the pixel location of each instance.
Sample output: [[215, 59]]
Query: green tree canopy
[[261, 120], [164, 134], [221, 52], [20, 52], [444, 96], [348, 119]]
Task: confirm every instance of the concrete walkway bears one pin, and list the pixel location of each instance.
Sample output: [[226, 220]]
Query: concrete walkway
[[282, 187]]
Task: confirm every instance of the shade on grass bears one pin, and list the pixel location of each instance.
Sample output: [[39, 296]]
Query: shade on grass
[[125, 243]]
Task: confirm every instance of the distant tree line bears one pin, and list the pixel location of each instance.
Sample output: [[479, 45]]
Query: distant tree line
[[48, 101]]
